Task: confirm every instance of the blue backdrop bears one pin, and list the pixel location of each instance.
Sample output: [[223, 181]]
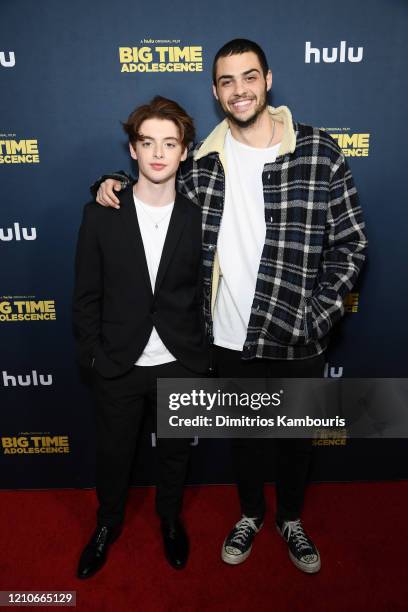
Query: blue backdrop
[[69, 73]]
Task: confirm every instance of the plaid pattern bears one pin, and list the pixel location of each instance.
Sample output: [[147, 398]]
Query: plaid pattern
[[314, 248]]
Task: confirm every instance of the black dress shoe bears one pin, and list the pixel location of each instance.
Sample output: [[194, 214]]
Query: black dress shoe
[[175, 540], [95, 552]]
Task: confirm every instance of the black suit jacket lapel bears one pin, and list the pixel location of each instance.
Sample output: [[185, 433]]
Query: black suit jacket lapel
[[176, 226], [133, 236]]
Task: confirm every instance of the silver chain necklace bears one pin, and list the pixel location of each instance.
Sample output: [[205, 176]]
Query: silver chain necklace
[[156, 222], [273, 134]]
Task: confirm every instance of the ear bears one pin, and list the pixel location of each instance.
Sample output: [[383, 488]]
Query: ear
[[215, 92], [132, 151], [268, 80], [184, 154]]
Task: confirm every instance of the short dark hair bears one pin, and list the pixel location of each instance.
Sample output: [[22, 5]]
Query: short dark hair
[[160, 108], [236, 47]]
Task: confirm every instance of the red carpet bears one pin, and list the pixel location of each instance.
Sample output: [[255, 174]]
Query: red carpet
[[361, 530]]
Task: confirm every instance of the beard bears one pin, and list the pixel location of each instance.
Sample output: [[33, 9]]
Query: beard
[[245, 123]]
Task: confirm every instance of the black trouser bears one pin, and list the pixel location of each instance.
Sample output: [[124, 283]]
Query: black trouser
[[121, 404], [252, 455]]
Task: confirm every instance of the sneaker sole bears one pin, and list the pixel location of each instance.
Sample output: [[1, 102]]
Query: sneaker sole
[[234, 559], [308, 568], [237, 559]]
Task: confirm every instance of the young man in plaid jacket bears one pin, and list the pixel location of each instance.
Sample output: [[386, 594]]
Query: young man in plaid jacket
[[283, 244]]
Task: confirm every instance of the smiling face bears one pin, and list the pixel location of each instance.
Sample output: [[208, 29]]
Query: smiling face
[[241, 87], [159, 150]]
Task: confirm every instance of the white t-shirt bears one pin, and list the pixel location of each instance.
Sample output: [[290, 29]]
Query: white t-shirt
[[240, 240], [154, 223]]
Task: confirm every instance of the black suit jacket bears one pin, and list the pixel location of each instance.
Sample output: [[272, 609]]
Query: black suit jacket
[[114, 306]]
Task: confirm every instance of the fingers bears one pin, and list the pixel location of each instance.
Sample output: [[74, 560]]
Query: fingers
[[106, 195]]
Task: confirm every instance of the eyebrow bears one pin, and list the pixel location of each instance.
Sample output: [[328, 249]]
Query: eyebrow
[[231, 76], [146, 137]]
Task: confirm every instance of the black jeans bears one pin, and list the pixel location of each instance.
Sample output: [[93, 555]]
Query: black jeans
[[121, 405], [252, 455]]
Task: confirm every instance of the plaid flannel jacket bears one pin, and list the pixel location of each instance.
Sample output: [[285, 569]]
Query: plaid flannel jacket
[[315, 243]]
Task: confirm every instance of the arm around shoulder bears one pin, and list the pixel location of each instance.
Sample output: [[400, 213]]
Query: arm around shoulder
[[103, 189]]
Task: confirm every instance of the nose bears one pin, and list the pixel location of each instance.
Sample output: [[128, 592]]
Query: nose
[[158, 151], [239, 88]]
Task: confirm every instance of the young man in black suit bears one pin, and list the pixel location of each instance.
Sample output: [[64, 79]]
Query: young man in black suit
[[138, 317]]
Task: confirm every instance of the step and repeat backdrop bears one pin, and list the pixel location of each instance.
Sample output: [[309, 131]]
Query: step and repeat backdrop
[[69, 74]]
